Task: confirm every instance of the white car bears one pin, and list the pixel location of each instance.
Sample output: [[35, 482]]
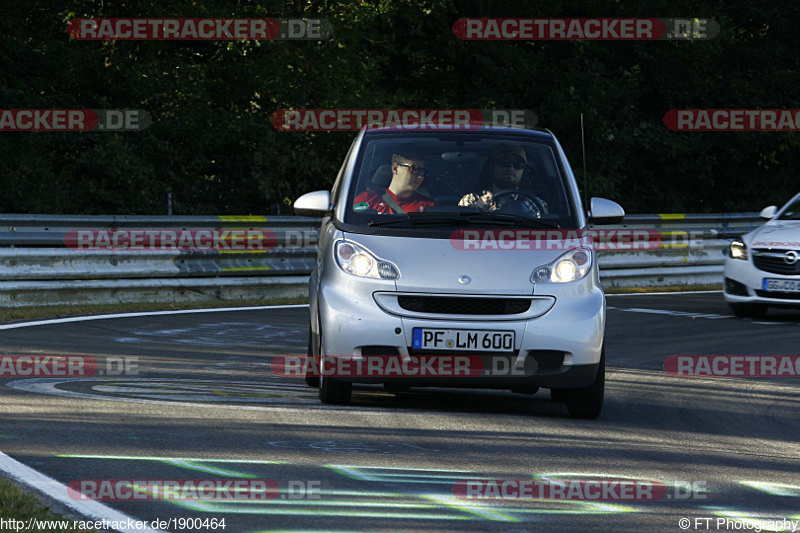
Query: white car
[[762, 269]]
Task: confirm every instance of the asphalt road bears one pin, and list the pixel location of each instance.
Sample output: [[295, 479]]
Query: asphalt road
[[206, 405]]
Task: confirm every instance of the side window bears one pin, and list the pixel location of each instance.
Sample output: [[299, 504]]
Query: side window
[[337, 185]]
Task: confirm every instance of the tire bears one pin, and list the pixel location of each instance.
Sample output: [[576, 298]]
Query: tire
[[311, 380], [334, 392], [331, 392], [588, 402], [749, 310]]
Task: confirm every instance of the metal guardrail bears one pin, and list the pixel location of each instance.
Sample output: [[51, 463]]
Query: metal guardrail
[[38, 269], [692, 252]]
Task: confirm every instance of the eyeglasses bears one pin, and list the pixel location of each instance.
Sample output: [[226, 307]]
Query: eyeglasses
[[505, 163], [415, 169]]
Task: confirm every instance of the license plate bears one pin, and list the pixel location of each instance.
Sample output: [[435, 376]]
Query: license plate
[[465, 340], [781, 285]]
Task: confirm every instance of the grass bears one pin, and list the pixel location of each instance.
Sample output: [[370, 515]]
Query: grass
[[59, 311], [16, 504], [671, 288]]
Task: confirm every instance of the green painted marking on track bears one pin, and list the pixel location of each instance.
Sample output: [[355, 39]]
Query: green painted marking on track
[[368, 504], [199, 467], [309, 511], [470, 508], [417, 475], [775, 489]]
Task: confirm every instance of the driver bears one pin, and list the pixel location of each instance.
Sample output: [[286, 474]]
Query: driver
[[503, 172], [408, 172]]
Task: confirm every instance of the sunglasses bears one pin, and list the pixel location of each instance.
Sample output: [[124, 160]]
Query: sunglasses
[[505, 163], [415, 169]]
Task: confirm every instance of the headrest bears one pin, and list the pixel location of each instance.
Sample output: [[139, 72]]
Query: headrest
[[382, 176]]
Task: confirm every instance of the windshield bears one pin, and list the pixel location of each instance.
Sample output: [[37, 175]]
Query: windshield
[[792, 212], [458, 179]]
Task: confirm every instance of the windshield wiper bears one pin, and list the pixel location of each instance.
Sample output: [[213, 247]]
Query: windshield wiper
[[396, 221], [418, 220]]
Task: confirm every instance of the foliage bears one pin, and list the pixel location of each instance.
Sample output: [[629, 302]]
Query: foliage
[[211, 144]]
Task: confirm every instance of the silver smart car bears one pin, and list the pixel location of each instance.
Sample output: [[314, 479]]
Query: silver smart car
[[448, 241]]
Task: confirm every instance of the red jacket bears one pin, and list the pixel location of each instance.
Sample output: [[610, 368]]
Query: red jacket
[[372, 200]]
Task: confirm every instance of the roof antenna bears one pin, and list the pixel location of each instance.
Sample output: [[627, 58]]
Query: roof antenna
[[585, 186]]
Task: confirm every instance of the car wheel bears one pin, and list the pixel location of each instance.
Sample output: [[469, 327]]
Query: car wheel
[[331, 392], [588, 402], [749, 310], [311, 379], [334, 392]]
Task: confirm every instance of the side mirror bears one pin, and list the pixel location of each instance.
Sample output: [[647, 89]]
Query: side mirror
[[604, 212], [313, 204], [768, 212]]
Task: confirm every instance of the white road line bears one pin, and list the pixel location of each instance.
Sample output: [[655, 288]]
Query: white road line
[[667, 312], [92, 510], [690, 315], [143, 313]]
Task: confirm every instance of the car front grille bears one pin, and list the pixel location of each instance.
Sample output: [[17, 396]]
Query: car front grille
[[774, 262], [443, 305]]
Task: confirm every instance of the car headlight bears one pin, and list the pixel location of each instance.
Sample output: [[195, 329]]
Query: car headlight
[[358, 261], [737, 250], [571, 266]]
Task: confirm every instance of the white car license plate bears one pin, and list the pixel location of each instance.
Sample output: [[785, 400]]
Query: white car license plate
[[466, 340], [781, 285]]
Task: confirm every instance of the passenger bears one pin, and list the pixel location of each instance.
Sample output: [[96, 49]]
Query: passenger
[[408, 172], [503, 172]]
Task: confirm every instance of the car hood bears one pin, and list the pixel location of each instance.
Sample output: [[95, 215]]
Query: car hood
[[776, 234], [435, 265]]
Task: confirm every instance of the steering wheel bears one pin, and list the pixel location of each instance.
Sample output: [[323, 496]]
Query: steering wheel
[[516, 206]]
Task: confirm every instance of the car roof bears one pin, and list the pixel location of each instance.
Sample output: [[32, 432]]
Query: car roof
[[471, 129]]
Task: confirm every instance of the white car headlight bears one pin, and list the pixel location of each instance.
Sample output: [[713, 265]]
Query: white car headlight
[[737, 250], [358, 261], [571, 266]]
